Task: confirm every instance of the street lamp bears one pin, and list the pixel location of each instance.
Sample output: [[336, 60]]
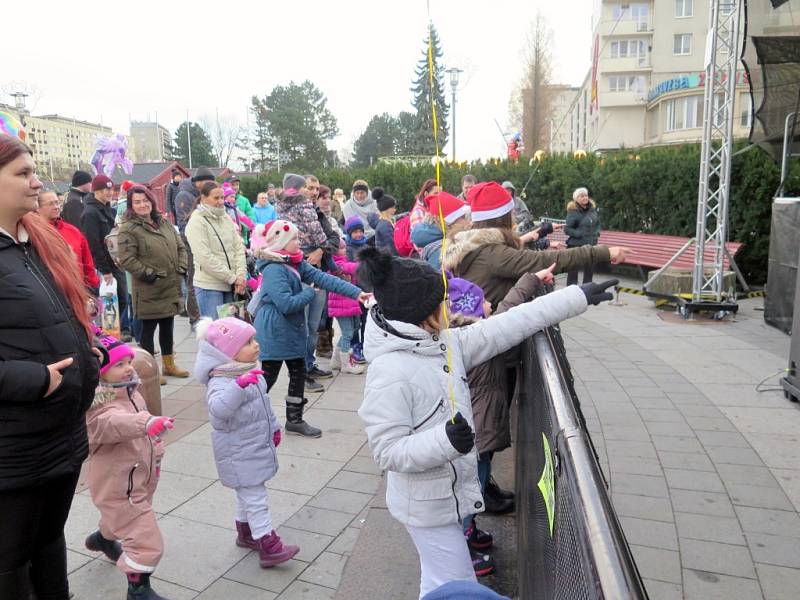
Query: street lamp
[[454, 73]]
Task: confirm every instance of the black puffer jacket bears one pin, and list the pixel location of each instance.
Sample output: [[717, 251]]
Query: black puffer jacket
[[40, 438], [97, 221]]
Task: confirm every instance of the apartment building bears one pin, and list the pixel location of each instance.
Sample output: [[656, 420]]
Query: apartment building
[[150, 142], [647, 79], [60, 144]]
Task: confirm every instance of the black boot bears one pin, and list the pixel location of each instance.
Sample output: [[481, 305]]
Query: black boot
[[495, 490], [294, 418], [16, 583], [495, 504], [49, 571], [139, 588], [97, 543]]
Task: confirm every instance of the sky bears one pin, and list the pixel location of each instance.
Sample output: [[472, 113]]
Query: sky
[[111, 62]]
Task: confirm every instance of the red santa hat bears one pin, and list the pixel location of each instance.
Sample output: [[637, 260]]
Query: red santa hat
[[489, 200], [447, 205]]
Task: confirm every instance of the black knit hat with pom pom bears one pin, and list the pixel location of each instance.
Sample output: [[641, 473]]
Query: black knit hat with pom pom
[[407, 290], [382, 199]]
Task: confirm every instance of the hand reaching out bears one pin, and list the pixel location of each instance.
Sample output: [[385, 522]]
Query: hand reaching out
[[249, 378], [156, 426], [546, 275]]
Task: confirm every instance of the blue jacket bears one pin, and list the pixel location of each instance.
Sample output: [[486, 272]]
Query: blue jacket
[[280, 317], [264, 214], [243, 423], [429, 238], [384, 234]]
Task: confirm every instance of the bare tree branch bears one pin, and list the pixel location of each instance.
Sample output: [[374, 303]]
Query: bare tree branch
[[225, 133]]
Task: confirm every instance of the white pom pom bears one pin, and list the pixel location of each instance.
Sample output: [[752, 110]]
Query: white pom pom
[[201, 329]]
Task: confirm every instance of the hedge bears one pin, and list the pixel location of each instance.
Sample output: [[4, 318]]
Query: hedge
[[649, 190]]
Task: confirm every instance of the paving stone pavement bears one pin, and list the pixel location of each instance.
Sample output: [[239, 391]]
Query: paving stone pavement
[[704, 470], [318, 501]]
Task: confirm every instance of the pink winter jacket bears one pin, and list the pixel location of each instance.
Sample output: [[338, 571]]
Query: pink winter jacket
[[342, 306], [124, 463]]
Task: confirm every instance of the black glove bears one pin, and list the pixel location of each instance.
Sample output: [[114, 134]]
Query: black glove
[[460, 434], [596, 292], [149, 278]]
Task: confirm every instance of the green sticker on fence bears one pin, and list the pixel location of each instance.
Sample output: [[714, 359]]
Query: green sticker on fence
[[547, 483]]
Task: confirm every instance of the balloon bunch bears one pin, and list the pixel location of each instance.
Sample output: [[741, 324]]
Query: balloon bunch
[[110, 152], [9, 125]]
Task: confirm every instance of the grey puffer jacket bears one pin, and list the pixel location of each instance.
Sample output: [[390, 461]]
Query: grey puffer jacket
[[243, 422], [407, 404]]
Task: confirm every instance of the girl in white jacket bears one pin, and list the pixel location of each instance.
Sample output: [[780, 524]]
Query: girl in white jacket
[[432, 480]]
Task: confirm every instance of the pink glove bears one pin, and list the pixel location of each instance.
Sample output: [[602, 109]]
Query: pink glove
[[156, 426], [249, 378], [276, 438]]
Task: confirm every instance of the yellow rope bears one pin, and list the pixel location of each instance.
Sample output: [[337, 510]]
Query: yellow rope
[[445, 311]]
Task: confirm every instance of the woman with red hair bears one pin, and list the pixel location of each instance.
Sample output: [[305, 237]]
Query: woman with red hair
[[48, 375]]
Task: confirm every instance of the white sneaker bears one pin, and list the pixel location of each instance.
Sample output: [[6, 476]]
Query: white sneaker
[[351, 366], [336, 359]]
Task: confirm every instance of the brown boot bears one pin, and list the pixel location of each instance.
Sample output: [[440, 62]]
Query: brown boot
[[171, 369], [324, 344]]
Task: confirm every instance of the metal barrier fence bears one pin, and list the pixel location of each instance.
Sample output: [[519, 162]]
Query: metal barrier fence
[[571, 545]]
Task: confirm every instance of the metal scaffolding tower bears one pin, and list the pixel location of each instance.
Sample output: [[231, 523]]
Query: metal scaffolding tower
[[721, 61], [722, 58]]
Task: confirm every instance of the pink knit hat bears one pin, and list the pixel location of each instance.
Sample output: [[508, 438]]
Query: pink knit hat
[[229, 335], [227, 190], [117, 351]]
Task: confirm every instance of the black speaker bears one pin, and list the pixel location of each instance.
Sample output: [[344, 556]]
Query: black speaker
[[791, 383]]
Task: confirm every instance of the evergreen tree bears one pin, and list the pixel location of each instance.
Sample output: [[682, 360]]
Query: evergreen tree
[[202, 151], [421, 141], [380, 138]]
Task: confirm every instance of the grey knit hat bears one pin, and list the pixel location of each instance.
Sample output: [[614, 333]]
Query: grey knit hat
[[203, 174], [293, 181]]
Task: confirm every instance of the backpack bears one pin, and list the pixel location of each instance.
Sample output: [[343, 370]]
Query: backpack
[[112, 244], [402, 237]]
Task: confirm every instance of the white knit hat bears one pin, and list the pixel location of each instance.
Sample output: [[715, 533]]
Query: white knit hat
[[273, 235]]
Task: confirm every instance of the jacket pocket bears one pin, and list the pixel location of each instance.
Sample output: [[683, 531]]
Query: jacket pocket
[[430, 415], [430, 489]]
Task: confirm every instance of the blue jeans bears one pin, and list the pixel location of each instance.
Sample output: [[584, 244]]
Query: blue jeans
[[313, 317], [484, 473], [209, 300], [136, 324], [348, 325]]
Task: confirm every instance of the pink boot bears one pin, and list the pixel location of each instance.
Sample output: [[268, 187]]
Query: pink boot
[[244, 538], [271, 550]]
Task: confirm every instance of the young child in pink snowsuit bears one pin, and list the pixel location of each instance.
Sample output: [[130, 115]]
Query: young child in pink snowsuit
[[125, 452], [245, 433], [348, 315]]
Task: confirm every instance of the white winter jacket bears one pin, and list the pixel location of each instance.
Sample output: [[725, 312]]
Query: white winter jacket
[[407, 402]]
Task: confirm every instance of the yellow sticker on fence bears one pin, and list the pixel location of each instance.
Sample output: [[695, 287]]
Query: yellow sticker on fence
[[547, 483]]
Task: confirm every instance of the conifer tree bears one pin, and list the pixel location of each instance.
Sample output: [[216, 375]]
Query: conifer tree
[[421, 141]]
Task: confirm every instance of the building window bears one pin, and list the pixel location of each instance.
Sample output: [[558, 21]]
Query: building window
[[683, 8], [632, 12], [746, 116], [684, 113], [682, 43], [629, 48], [625, 83]]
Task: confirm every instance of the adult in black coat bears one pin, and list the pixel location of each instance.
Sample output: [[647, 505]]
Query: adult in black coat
[[97, 221], [73, 205], [582, 228], [48, 376]]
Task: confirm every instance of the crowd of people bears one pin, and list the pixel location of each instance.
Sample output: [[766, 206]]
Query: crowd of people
[[262, 284]]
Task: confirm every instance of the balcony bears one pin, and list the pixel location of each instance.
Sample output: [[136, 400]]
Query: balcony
[[625, 27], [627, 64]]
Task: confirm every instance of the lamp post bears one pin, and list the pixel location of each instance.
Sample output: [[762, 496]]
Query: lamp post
[[454, 73]]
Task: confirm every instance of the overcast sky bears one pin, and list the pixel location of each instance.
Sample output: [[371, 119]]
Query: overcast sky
[[115, 60]]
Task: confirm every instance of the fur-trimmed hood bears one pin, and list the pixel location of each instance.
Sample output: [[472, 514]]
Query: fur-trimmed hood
[[106, 393], [467, 241]]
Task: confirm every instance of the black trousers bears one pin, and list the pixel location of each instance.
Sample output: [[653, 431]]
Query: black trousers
[[165, 331], [588, 273], [297, 374], [32, 524]]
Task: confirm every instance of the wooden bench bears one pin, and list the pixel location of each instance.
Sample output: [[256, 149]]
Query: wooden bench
[[650, 251]]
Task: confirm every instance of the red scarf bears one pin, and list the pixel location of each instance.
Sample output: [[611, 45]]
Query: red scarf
[[293, 259]]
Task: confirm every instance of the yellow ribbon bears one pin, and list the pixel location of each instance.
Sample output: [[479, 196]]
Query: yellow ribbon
[[445, 311]]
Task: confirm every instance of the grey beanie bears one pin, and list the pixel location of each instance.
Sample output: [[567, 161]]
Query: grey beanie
[[293, 181], [203, 174]]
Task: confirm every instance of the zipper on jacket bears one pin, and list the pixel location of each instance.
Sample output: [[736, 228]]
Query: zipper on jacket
[[130, 482], [149, 441], [34, 271], [430, 416], [453, 486]]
